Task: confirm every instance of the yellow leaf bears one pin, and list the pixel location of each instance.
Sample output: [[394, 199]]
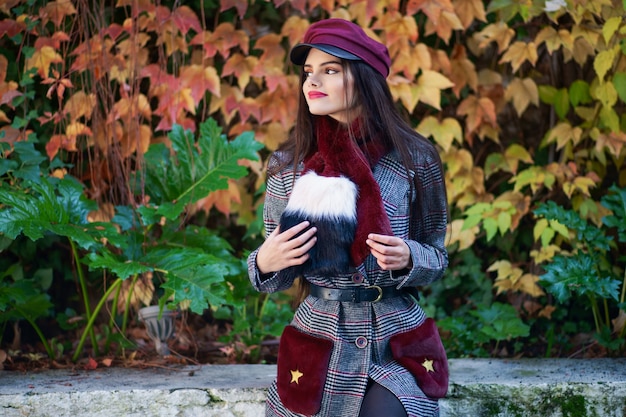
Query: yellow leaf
[[478, 111], [554, 40], [604, 61], [444, 132], [496, 32], [410, 59], [528, 285], [469, 10], [294, 29], [42, 59], [241, 66], [545, 253], [398, 28], [564, 133], [431, 8], [403, 90], [430, 84], [465, 238], [610, 27], [605, 92], [522, 92], [79, 105], [580, 184], [518, 53]]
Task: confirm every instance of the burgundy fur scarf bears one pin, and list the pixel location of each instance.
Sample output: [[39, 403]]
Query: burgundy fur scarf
[[338, 194]]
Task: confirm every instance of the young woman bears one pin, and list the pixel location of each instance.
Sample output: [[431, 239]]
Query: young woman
[[355, 206]]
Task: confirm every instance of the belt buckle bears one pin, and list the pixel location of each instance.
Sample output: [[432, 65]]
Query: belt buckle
[[380, 292]]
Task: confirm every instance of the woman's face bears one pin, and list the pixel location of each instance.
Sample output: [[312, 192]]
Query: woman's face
[[324, 89]]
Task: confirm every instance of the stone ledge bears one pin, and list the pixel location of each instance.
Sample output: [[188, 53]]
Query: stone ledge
[[478, 388]]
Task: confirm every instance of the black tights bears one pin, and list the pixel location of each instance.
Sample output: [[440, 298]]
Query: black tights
[[380, 402]]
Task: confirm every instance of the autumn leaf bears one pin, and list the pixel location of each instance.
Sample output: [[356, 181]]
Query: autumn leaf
[[405, 91], [273, 51], [241, 66], [478, 111], [499, 32], [564, 133], [554, 40], [464, 237], [580, 184], [185, 19], [80, 105], [443, 27], [294, 29], [222, 40], [241, 6], [522, 92], [429, 86], [91, 364], [469, 10], [271, 135], [613, 141], [444, 132], [398, 28], [431, 8], [520, 52], [463, 72], [604, 61], [42, 59], [58, 142], [200, 79], [409, 60], [56, 11], [221, 199]]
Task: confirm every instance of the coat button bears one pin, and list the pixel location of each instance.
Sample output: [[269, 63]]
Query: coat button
[[361, 342], [357, 278]]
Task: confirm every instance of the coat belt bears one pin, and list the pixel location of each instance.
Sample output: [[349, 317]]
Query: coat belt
[[372, 293]]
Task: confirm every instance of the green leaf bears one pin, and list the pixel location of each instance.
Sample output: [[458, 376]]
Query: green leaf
[[547, 93], [561, 103], [579, 93], [196, 169], [619, 82], [121, 267]]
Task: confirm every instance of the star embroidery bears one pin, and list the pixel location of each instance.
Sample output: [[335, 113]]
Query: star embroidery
[[428, 365], [295, 376]]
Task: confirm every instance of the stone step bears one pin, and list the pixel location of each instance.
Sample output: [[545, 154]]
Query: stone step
[[478, 388]]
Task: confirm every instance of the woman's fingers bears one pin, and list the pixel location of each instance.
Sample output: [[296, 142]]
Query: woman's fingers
[[392, 253]]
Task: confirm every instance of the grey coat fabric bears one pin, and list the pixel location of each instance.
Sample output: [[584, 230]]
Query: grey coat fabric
[[372, 324]]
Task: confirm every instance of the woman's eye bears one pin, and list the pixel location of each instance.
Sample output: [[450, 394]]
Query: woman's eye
[[331, 71]]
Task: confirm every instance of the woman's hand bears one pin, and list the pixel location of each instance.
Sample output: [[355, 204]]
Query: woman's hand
[[282, 250], [392, 253]]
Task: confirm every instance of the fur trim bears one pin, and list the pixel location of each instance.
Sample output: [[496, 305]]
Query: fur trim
[[329, 204]]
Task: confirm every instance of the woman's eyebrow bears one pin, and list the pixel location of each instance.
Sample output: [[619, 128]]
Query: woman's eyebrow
[[325, 63]]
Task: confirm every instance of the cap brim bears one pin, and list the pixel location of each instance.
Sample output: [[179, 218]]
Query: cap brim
[[299, 52]]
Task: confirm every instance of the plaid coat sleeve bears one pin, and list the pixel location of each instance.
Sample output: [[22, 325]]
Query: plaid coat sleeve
[[420, 218]]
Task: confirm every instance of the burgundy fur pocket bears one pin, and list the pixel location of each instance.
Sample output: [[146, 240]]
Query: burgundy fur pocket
[[302, 366], [421, 352]]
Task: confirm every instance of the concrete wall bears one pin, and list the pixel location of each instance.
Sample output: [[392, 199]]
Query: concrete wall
[[478, 387]]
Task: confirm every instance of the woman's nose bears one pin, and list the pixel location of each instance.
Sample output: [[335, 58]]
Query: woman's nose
[[313, 81]]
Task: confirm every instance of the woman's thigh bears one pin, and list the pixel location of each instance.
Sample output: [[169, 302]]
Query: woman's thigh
[[379, 401]]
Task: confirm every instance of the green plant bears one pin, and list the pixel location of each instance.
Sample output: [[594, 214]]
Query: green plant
[[589, 266], [189, 262]]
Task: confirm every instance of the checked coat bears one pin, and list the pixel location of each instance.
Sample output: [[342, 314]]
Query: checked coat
[[361, 331]]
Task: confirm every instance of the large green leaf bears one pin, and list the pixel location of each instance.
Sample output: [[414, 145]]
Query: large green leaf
[[195, 169], [55, 206]]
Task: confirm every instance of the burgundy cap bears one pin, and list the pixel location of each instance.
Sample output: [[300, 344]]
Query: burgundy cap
[[343, 39]]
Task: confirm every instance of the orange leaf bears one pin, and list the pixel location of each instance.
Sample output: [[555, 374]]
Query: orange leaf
[[57, 142], [200, 80], [447, 22], [478, 111], [271, 135], [614, 141], [221, 199], [294, 29], [465, 238], [463, 71], [241, 66], [56, 11], [398, 28], [273, 51], [410, 59], [431, 8], [520, 52], [469, 10], [222, 40]]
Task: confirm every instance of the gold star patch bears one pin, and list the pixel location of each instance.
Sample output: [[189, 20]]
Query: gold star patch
[[296, 375], [428, 365]]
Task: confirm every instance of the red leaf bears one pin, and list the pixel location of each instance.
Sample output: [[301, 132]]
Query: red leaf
[[91, 364]]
